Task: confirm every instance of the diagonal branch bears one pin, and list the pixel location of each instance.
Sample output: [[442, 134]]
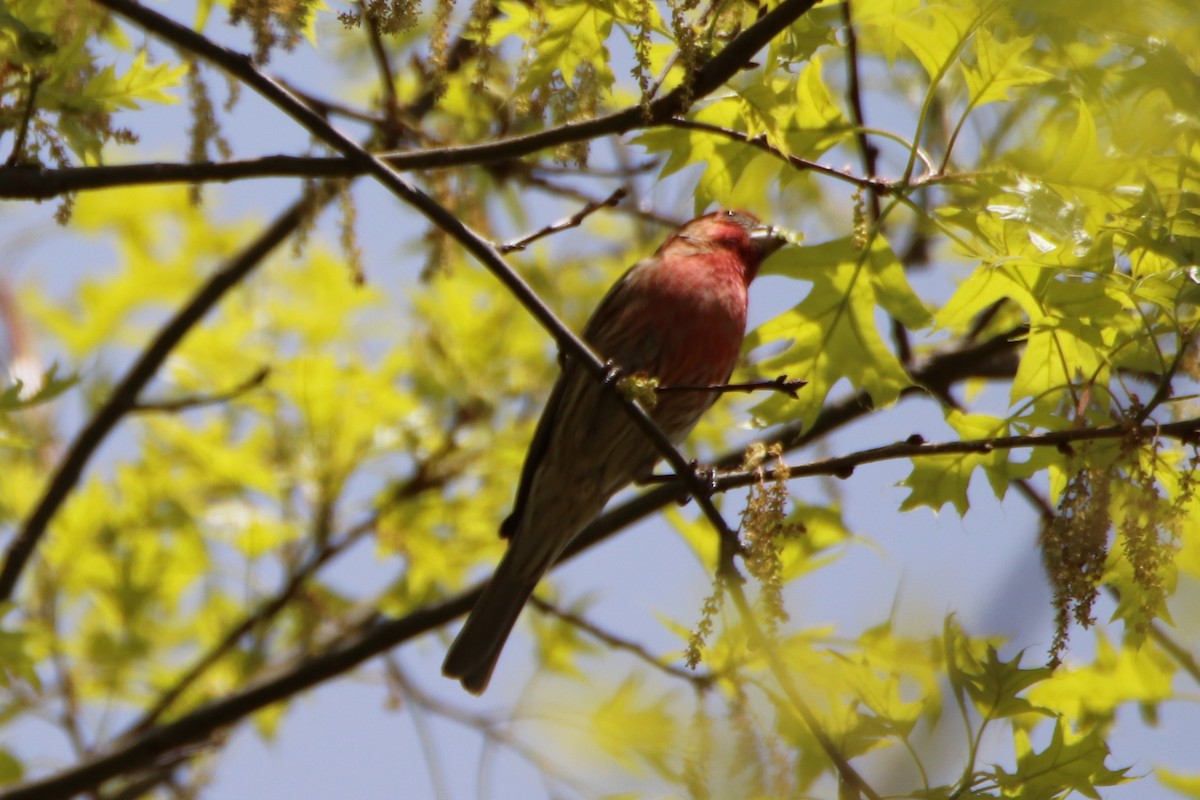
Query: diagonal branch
[[573, 221], [189, 402], [702, 681], [760, 142], [782, 384]]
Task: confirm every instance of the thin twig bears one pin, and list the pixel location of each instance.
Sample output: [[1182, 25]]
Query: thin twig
[[624, 172], [562, 190], [869, 154], [327, 108], [14, 158], [781, 384], [700, 680], [867, 151], [70, 717], [200, 400], [401, 686], [881, 185], [387, 77], [1163, 391], [489, 728], [573, 221]]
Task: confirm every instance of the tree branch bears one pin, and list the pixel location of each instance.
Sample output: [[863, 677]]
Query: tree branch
[[1187, 430], [782, 384], [407, 690], [200, 400], [573, 221], [387, 78], [760, 143], [18, 151], [42, 183], [699, 680]]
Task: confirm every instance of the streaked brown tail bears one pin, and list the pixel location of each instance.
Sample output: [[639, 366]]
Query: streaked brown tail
[[475, 650]]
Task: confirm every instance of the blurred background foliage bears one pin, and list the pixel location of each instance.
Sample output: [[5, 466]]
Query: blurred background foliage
[[211, 410]]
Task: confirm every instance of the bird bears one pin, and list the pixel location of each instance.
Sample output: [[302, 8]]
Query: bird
[[678, 316]]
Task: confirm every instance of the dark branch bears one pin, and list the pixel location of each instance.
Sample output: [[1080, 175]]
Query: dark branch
[[39, 183], [14, 158], [700, 680], [1187, 430], [199, 401], [870, 159], [387, 77], [760, 143], [782, 384], [573, 221]]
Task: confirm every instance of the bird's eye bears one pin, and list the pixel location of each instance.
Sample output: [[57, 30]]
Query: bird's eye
[[731, 213]]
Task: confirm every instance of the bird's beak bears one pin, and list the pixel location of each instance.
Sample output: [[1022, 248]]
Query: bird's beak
[[767, 239]]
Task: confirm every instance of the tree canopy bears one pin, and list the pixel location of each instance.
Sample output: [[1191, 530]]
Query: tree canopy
[[286, 284]]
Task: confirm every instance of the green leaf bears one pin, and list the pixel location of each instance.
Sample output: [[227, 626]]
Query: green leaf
[[939, 479], [1062, 358], [935, 33], [833, 333], [1116, 677], [1069, 763], [997, 684], [636, 727], [995, 65], [571, 36], [47, 388], [797, 115], [11, 770], [141, 83]]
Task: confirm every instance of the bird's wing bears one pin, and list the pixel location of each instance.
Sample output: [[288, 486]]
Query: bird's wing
[[598, 329], [537, 449]]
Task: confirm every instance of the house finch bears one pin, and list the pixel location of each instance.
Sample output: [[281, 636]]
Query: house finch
[[679, 316]]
